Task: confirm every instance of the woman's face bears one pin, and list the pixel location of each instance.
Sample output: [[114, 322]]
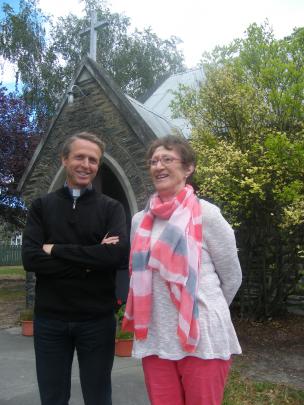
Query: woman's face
[[168, 173]]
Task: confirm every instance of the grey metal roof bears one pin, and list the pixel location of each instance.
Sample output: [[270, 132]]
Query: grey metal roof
[[159, 101], [160, 125]]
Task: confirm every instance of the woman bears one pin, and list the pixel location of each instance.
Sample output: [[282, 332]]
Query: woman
[[185, 273]]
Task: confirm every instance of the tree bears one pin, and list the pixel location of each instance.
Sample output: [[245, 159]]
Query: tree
[[18, 139], [22, 42], [45, 64], [247, 120]]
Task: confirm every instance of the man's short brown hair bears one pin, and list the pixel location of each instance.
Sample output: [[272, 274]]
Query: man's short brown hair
[[87, 136]]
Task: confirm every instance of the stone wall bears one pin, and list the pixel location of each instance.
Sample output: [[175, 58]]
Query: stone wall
[[94, 113]]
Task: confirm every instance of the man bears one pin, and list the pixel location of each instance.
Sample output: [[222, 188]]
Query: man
[[74, 240]]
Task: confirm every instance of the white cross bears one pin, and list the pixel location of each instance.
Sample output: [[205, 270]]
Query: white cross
[[93, 33]]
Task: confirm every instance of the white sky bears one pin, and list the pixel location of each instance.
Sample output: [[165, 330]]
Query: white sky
[[201, 25]]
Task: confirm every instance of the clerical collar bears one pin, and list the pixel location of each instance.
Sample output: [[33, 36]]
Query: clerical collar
[[77, 192]]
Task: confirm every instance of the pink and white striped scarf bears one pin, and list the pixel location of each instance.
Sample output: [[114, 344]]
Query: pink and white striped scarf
[[177, 256]]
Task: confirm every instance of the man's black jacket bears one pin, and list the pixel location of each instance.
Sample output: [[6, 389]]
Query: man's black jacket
[[77, 281]]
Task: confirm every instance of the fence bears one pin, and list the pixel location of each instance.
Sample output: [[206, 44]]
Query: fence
[[10, 255]]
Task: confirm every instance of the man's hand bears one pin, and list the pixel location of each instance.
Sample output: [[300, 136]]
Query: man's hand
[[47, 248], [110, 240]]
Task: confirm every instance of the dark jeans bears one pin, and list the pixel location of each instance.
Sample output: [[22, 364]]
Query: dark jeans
[[55, 343]]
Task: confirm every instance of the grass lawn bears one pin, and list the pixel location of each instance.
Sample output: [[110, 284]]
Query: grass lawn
[[8, 292], [12, 271], [11, 295], [243, 391]]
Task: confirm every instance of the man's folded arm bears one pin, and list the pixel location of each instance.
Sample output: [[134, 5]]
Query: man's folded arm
[[34, 258], [100, 256]]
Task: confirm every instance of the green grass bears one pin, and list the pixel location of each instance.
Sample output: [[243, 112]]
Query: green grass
[[12, 271], [243, 391], [10, 295]]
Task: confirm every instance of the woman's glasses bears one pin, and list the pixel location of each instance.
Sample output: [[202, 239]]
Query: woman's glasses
[[164, 160]]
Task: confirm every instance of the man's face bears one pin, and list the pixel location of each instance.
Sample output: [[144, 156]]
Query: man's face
[[82, 163]]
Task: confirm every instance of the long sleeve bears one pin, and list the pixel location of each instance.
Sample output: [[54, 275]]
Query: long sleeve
[[34, 258], [221, 244], [98, 256]]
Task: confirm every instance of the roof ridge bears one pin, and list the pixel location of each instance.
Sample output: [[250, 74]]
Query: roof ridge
[[149, 110], [185, 71]]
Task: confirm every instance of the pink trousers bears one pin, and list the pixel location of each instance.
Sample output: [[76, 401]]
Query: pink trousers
[[189, 381]]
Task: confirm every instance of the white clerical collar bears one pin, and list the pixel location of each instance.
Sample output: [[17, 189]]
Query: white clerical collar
[[77, 192]]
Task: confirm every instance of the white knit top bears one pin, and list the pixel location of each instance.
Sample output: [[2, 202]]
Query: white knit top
[[220, 278]]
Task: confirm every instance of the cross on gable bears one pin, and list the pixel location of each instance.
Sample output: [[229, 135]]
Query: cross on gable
[[93, 33]]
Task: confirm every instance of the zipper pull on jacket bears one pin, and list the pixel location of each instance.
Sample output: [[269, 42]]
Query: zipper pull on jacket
[[75, 195]]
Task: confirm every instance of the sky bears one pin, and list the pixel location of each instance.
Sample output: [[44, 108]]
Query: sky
[[200, 24]]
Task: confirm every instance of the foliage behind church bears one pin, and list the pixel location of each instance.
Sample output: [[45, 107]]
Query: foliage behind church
[[248, 120]]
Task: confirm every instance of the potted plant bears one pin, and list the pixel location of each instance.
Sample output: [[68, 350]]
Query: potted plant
[[123, 340], [26, 319]]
